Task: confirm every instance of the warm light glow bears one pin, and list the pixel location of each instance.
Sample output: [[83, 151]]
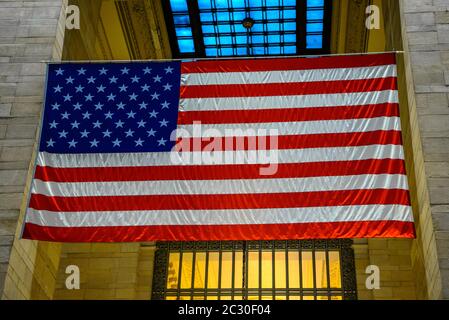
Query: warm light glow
[[226, 270], [186, 269], [320, 270], [200, 270], [334, 269], [173, 271], [316, 274], [267, 269], [238, 270], [212, 277], [280, 275], [293, 269], [253, 269], [307, 270]]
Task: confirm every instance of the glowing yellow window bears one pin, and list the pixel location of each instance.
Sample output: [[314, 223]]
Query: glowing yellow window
[[254, 270]]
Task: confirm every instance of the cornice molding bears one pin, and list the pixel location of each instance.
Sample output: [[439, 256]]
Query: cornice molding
[[143, 26], [356, 32], [349, 34]]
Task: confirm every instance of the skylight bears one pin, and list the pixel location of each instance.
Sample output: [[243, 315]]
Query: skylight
[[213, 28]]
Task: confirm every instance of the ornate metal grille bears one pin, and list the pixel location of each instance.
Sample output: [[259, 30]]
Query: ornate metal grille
[[236, 270]]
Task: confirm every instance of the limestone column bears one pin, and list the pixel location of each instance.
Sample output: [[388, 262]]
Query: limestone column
[[30, 32], [426, 33]]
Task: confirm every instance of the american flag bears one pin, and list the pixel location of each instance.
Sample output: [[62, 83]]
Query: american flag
[[245, 149]]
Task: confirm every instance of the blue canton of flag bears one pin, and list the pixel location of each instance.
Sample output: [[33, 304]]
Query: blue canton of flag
[[110, 107]]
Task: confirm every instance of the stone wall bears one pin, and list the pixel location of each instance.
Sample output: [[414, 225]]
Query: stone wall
[[107, 271], [30, 32], [426, 31], [392, 256]]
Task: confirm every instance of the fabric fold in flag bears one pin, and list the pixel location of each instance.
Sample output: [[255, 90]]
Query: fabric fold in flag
[[242, 149]]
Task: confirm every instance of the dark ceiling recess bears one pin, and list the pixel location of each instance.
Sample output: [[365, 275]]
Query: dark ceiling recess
[[220, 28]]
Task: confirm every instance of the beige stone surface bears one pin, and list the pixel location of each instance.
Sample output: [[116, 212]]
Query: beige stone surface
[[29, 34], [426, 64]]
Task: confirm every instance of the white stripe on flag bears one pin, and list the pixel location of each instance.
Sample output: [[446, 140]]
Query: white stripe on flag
[[281, 102], [241, 186], [291, 128], [93, 160], [220, 217], [217, 78]]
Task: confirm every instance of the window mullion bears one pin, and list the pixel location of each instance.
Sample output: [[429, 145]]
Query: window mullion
[[219, 271], [287, 285], [197, 32], [192, 285], [328, 277]]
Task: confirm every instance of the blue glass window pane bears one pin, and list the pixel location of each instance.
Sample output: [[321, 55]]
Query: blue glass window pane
[[186, 45], [289, 14], [208, 28], [257, 39], [314, 27], [221, 4], [211, 52], [289, 2], [314, 42], [315, 3], [273, 14], [238, 3], [255, 3], [206, 17], [238, 16], [274, 50], [242, 51], [257, 27], [315, 15], [181, 19], [223, 28], [226, 51], [290, 26], [210, 41], [273, 27], [273, 3], [290, 38], [241, 39], [274, 38], [178, 5], [222, 16], [204, 4], [239, 28], [290, 50], [184, 32], [225, 40], [258, 50], [256, 15]]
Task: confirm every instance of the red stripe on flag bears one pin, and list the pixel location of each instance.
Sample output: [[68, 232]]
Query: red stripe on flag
[[321, 230], [287, 89], [220, 172], [248, 65], [221, 201], [301, 141], [289, 114]]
